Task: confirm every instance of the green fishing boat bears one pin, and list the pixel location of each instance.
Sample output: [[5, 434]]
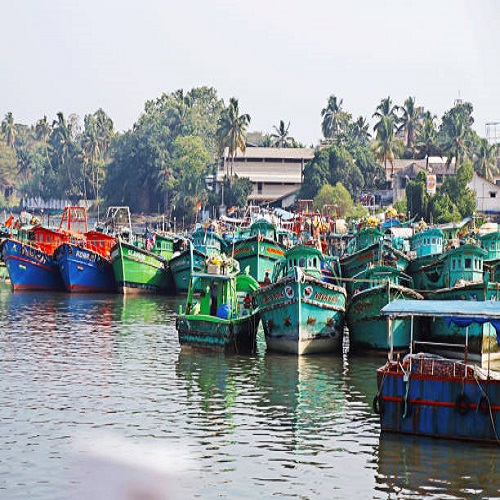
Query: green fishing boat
[[374, 288], [303, 308], [490, 242], [141, 266], [202, 243], [219, 314], [260, 251]]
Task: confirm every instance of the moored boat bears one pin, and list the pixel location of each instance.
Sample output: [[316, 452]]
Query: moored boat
[[303, 308], [219, 313], [373, 288], [425, 394]]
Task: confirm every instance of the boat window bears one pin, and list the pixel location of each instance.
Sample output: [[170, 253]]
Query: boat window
[[315, 264], [468, 263], [453, 263], [302, 262], [433, 241]]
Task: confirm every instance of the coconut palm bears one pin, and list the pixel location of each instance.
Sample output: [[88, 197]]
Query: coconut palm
[[281, 139], [426, 139], [360, 130], [383, 110], [409, 121], [42, 130], [232, 130], [9, 130], [485, 159], [333, 118], [386, 147]]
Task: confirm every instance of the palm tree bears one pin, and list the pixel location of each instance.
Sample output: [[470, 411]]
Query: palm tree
[[455, 143], [42, 130], [383, 110], [386, 147], [281, 137], [426, 141], [485, 162], [9, 130], [232, 130], [409, 121], [62, 144], [333, 118], [360, 130]]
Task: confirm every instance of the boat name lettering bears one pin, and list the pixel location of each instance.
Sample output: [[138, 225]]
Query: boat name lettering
[[324, 297], [273, 297], [136, 255], [275, 251]]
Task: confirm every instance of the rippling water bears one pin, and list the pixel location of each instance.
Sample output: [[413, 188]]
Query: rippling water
[[265, 426]]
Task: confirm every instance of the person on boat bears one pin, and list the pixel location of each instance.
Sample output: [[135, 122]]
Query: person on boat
[[213, 298], [247, 301], [267, 280]]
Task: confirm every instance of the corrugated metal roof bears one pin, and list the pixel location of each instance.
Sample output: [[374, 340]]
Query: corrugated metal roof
[[305, 154]]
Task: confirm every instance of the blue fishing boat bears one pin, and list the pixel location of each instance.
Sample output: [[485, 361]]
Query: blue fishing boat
[[303, 308], [219, 314], [429, 395]]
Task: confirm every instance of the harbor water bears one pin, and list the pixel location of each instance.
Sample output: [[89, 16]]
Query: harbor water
[[108, 369]]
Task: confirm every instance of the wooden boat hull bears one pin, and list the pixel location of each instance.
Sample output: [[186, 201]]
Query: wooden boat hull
[[302, 316], [83, 270], [139, 271], [367, 329], [259, 255], [238, 336], [29, 268], [181, 268], [439, 398]]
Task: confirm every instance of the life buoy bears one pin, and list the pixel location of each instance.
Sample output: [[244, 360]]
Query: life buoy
[[462, 403], [377, 405]]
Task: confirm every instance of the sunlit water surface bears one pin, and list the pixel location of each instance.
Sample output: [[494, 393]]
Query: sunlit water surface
[[267, 426]]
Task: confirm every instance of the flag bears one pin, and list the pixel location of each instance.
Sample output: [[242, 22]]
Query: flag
[[9, 221], [198, 206], [231, 211]]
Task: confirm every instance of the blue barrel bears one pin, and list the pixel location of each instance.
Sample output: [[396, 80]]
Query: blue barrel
[[223, 312]]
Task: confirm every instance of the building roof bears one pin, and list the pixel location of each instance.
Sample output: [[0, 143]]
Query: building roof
[[305, 154]]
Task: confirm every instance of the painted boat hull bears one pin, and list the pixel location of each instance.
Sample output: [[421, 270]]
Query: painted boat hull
[[29, 268], [436, 403], [139, 271], [302, 316], [181, 268], [367, 329], [84, 271], [209, 333], [259, 255]]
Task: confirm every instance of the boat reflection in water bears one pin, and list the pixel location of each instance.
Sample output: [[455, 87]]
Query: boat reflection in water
[[430, 468]]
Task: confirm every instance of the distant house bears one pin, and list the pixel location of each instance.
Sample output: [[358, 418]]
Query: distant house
[[276, 173], [487, 195]]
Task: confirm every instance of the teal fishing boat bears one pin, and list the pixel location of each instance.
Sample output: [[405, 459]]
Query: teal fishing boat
[[370, 246], [458, 274], [427, 243], [373, 289], [219, 314], [490, 242], [202, 243], [260, 251], [141, 265], [303, 308]]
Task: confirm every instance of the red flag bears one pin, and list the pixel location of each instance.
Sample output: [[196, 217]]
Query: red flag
[[231, 210], [9, 221], [198, 206]]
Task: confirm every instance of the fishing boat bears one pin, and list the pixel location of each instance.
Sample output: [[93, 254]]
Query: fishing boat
[[140, 265], [202, 243], [429, 395], [303, 307], [490, 242], [260, 251], [29, 257], [219, 313], [373, 288]]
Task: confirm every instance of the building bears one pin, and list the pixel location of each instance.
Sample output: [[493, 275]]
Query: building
[[276, 173], [487, 195]]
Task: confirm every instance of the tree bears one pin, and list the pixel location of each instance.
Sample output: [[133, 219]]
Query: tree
[[455, 132], [231, 130], [280, 138], [237, 191], [417, 197], [336, 122], [360, 130], [386, 146], [485, 159], [338, 195], [409, 121], [426, 139], [385, 110], [9, 130]]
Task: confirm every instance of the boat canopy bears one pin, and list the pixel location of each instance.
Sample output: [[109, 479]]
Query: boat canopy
[[460, 312]]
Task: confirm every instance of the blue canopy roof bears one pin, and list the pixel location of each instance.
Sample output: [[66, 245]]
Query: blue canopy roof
[[461, 308]]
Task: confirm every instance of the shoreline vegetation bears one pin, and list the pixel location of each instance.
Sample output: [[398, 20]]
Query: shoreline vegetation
[[161, 164]]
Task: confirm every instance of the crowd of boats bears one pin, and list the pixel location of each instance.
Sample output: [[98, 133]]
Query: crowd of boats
[[396, 285]]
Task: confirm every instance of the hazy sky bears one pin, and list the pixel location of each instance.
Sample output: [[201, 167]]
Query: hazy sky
[[281, 59]]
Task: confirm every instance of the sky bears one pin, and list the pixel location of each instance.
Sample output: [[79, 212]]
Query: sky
[[281, 59]]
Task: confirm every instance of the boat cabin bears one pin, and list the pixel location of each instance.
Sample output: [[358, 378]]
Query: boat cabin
[[208, 241], [428, 242], [463, 263]]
